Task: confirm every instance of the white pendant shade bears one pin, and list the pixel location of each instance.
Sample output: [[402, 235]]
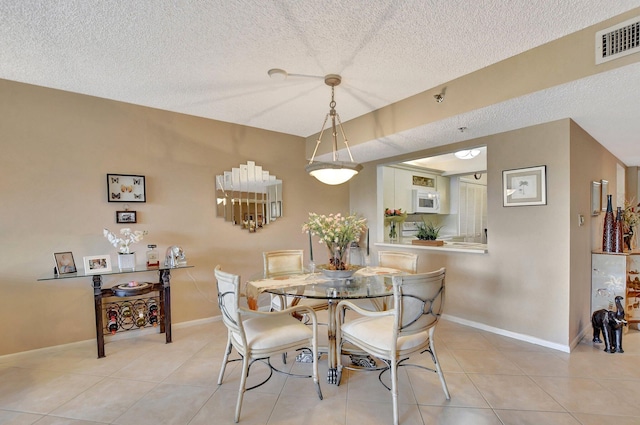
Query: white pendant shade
[[333, 173], [467, 153]]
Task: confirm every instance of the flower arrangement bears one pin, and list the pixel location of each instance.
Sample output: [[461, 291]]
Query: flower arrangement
[[391, 218], [128, 238], [337, 232]]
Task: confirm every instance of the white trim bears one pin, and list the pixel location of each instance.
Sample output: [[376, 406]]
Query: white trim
[[514, 335], [116, 337]]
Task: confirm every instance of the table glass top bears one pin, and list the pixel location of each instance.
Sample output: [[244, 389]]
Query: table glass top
[[81, 273], [318, 286]]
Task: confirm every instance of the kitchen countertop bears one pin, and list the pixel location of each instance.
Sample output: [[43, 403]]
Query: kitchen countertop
[[468, 247]]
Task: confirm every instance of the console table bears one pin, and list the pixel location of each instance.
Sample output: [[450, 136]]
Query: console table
[[163, 288]]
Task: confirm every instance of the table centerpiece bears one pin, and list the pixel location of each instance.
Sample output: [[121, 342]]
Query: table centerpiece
[[337, 232]]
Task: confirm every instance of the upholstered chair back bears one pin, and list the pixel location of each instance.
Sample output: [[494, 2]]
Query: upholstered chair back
[[420, 300], [405, 261], [283, 261]]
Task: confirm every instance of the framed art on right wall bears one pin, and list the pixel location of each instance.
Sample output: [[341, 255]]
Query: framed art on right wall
[[524, 186]]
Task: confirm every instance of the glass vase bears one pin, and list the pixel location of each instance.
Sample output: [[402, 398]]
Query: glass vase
[[393, 231], [127, 261], [338, 257]]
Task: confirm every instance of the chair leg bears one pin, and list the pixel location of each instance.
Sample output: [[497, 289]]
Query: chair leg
[[314, 353], [243, 384], [394, 390], [225, 360], [437, 363]]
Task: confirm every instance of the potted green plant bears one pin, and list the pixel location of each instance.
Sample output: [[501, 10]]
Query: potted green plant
[[427, 234]]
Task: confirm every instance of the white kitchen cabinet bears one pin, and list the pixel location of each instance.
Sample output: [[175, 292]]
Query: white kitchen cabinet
[[616, 275], [402, 186], [442, 185]]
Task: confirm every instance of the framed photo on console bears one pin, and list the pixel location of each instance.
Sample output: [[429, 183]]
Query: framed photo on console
[[125, 188], [64, 263], [524, 186], [96, 264]]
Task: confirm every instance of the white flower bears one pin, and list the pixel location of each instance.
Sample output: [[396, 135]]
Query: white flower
[[128, 238]]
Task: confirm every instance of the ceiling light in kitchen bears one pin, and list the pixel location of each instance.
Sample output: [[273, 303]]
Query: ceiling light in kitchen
[[467, 153]]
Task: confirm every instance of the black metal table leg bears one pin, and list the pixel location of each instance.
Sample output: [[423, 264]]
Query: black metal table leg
[[97, 297], [165, 302]]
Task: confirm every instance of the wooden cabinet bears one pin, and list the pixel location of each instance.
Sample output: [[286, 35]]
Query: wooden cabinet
[[616, 275]]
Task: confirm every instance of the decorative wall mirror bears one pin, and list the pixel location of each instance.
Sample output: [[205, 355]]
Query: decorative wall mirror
[[248, 196]]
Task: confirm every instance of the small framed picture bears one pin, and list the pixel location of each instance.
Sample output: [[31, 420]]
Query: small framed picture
[[125, 188], [97, 264], [64, 263], [524, 186], [595, 198], [126, 217], [604, 188]]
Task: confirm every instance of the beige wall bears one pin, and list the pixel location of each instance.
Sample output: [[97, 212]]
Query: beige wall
[[57, 148], [589, 161], [535, 280]]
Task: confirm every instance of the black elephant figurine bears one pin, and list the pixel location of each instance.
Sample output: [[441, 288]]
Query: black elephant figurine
[[610, 323]]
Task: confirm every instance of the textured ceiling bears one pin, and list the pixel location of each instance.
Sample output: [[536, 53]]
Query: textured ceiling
[[210, 59]]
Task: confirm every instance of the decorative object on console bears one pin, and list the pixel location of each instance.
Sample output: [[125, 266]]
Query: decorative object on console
[[337, 232], [394, 219], [96, 264], [125, 188], [175, 257], [128, 237], [153, 259], [608, 228], [336, 171], [524, 186], [64, 263], [610, 323], [126, 258]]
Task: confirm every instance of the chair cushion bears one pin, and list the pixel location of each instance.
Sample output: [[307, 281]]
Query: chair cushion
[[378, 333], [275, 331]]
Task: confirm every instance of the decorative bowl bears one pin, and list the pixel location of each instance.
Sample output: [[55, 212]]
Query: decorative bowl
[[338, 274]]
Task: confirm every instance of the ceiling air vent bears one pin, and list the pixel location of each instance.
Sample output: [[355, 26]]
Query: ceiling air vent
[[618, 41]]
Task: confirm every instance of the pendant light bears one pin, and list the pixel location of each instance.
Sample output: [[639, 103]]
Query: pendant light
[[336, 171]]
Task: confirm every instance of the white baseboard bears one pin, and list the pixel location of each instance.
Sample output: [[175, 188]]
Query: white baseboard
[[118, 336], [514, 335]]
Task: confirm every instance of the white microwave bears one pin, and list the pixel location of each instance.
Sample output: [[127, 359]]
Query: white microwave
[[425, 201]]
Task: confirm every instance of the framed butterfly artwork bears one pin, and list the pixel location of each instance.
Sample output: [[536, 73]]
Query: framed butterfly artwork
[[125, 188]]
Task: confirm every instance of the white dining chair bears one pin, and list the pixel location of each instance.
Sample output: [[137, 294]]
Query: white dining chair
[[400, 332], [260, 335], [284, 262], [405, 261]]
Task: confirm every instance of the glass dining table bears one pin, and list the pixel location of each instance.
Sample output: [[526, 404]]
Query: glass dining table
[[373, 283]]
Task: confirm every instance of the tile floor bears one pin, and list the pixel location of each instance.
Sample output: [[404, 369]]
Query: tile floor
[[492, 380]]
